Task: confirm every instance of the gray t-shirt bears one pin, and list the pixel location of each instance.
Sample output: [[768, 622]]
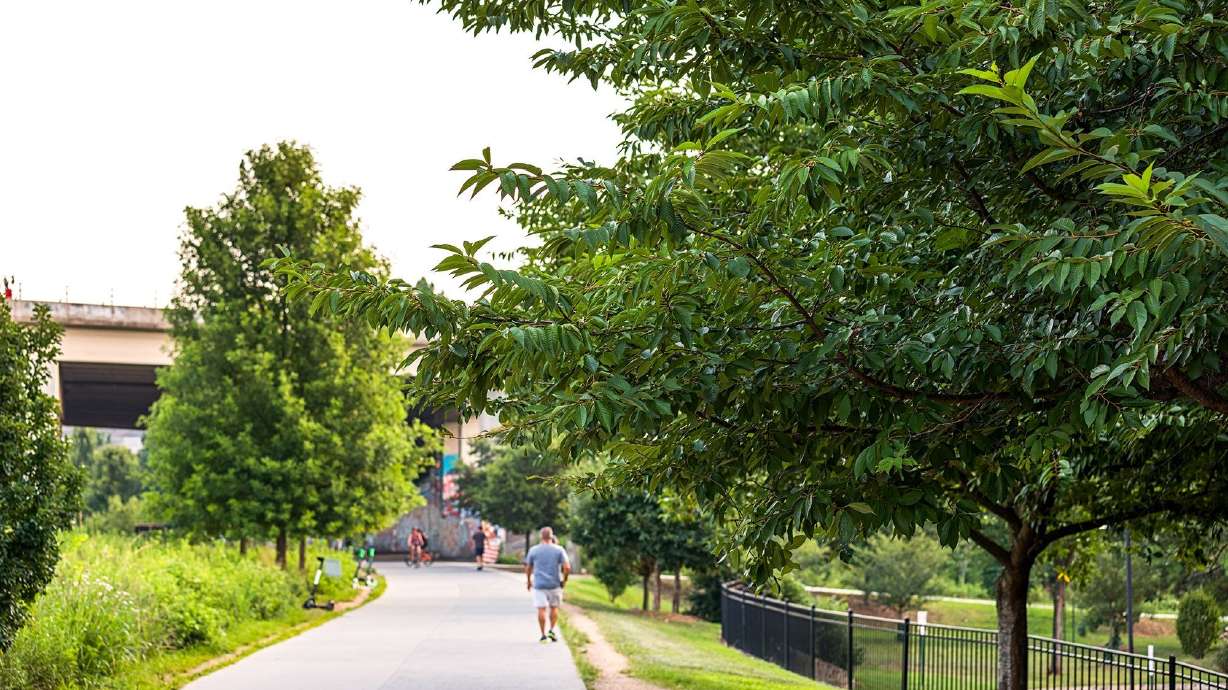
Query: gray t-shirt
[[547, 561]]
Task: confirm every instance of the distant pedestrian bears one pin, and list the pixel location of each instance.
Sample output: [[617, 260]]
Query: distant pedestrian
[[417, 540], [479, 546], [546, 568]]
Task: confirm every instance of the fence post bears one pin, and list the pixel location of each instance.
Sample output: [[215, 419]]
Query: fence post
[[850, 650], [904, 674], [1172, 673], [762, 627], [813, 661], [742, 639], [787, 654]]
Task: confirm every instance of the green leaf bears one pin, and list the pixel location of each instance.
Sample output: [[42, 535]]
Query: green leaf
[[1216, 228], [1047, 156]]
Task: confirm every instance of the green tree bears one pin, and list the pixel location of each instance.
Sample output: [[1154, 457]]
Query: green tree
[[877, 265], [39, 487], [1103, 591], [515, 487], [84, 441], [113, 471], [613, 574], [899, 571], [1198, 624], [272, 423], [619, 530], [684, 541]]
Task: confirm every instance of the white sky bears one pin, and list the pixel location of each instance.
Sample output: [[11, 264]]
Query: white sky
[[116, 115]]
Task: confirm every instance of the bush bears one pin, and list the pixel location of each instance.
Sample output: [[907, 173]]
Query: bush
[[120, 516], [788, 588], [705, 595], [117, 601], [901, 571], [1221, 657], [1197, 623], [613, 574]]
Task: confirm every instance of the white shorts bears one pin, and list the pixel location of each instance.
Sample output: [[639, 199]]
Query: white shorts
[[543, 598]]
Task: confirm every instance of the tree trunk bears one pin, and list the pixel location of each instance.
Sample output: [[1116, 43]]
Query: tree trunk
[[302, 553], [282, 547], [527, 536], [656, 590], [1059, 610], [243, 546], [1012, 599], [644, 585], [675, 604]]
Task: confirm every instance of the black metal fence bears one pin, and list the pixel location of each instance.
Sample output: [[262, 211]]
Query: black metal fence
[[848, 650]]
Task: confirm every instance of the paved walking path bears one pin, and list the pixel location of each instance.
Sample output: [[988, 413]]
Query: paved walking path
[[439, 628]]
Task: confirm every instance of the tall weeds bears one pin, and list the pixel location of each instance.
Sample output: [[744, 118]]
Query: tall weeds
[[117, 601]]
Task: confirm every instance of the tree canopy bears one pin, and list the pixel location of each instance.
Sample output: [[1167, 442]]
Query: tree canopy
[[39, 487], [863, 266], [113, 470], [270, 422], [514, 487]]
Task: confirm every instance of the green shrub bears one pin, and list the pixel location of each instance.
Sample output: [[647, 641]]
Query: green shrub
[[788, 588], [613, 574], [82, 628], [117, 600], [120, 516], [1197, 623], [704, 599], [1221, 657]]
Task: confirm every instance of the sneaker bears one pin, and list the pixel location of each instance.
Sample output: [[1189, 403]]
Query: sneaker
[[552, 636], [543, 639]]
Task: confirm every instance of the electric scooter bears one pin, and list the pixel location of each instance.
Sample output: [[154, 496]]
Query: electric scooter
[[360, 555], [315, 585], [371, 566]]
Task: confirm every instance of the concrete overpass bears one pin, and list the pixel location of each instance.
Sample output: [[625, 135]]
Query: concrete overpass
[[106, 374], [105, 378]]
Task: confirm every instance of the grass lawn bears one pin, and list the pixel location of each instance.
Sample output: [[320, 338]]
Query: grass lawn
[[676, 654], [1160, 634]]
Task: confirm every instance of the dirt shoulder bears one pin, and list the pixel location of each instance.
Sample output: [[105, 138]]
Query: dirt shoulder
[[610, 664]]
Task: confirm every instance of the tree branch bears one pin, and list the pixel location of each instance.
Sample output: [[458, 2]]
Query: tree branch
[[978, 202], [1223, 127], [913, 394], [1007, 513], [995, 549], [1206, 397], [1074, 528]]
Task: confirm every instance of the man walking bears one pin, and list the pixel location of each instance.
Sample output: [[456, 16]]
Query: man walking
[[546, 568], [479, 546]]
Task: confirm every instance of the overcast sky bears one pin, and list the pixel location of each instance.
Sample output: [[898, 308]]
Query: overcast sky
[[116, 115]]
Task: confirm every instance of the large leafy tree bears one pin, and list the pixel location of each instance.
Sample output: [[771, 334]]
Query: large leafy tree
[[113, 471], [865, 265], [515, 487], [621, 531], [39, 487], [271, 423]]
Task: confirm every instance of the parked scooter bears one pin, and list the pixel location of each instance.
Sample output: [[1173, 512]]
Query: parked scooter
[[371, 580], [315, 586], [360, 555]]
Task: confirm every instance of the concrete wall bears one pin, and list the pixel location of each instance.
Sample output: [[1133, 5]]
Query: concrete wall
[[104, 334]]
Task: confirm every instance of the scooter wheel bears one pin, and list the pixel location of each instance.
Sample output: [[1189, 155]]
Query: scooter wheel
[[330, 606], [354, 583], [310, 603], [371, 580]]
